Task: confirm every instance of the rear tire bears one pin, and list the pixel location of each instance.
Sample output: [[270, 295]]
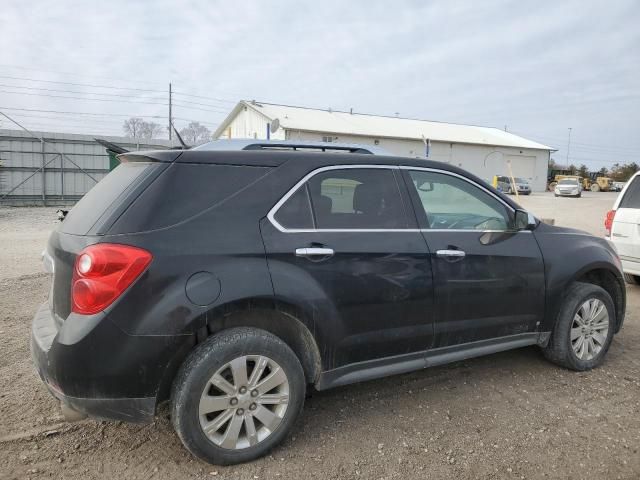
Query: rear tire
[[595, 187], [632, 279], [224, 415], [580, 323]]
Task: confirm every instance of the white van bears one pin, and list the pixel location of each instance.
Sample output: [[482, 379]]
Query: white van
[[623, 228]]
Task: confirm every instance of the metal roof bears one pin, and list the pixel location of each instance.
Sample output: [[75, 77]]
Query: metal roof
[[346, 123]]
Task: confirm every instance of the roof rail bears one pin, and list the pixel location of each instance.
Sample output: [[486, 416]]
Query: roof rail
[[308, 146], [248, 144]]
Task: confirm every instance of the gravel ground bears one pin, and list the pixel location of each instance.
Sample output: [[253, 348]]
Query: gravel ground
[[509, 415]]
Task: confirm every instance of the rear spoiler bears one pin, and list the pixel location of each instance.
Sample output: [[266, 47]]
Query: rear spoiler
[[164, 156]]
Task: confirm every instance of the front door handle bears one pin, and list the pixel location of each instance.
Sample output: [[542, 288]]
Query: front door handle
[[314, 252], [450, 253]]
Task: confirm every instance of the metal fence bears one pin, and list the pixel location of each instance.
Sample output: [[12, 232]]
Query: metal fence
[[45, 168]]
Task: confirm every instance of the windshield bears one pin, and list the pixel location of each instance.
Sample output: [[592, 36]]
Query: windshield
[[520, 180], [568, 181]]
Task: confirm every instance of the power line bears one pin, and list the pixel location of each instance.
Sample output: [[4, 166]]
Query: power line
[[81, 98], [114, 101], [206, 98], [80, 92], [559, 139], [83, 113], [82, 84], [75, 74], [197, 108]]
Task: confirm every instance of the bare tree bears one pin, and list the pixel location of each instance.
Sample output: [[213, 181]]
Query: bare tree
[[151, 130], [138, 129], [195, 134]]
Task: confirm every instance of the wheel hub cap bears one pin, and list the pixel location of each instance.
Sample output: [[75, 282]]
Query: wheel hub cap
[[590, 329], [244, 402]]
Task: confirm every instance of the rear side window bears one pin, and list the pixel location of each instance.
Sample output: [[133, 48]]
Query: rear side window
[[295, 213], [631, 197], [111, 189], [341, 199], [182, 191]]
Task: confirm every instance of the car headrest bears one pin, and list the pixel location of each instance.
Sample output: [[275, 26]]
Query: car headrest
[[323, 205], [367, 199]]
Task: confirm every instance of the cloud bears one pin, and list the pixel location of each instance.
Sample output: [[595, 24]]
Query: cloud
[[537, 67]]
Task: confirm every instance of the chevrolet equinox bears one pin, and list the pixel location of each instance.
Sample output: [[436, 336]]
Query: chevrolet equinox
[[230, 278]]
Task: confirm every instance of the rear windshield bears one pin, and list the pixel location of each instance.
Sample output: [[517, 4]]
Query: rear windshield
[[103, 195], [631, 197]]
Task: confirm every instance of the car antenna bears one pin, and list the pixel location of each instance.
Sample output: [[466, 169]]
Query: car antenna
[[184, 145]]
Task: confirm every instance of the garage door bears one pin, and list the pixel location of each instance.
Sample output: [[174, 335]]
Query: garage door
[[522, 166]]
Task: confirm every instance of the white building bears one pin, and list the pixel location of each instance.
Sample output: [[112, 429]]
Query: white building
[[484, 151]]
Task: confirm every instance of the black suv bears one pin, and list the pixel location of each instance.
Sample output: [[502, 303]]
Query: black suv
[[230, 280]]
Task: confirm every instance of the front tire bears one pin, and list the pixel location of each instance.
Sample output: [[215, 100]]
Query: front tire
[[584, 328], [237, 396]]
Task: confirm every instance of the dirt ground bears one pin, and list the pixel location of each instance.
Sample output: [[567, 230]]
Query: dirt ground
[[509, 415]]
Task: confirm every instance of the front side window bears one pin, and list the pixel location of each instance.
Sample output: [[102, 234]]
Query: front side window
[[346, 199], [453, 203]]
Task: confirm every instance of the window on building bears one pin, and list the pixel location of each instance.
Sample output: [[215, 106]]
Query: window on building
[[326, 139]]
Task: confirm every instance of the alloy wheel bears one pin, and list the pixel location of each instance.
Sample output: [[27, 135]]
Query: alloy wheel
[[590, 329], [244, 402]]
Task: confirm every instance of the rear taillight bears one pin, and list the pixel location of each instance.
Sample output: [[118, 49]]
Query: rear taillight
[[102, 272], [608, 221]]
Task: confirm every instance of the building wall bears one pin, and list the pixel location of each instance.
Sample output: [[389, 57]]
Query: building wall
[[249, 123], [483, 161], [22, 157]]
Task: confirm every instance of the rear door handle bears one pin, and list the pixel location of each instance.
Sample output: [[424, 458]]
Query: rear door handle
[[450, 253], [314, 252]]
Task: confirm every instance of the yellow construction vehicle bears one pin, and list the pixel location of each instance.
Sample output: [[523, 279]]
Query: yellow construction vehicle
[[593, 182], [600, 184], [555, 178]]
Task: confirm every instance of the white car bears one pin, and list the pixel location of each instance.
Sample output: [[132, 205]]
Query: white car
[[568, 187], [623, 228]]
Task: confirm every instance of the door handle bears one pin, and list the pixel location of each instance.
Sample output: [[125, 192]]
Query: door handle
[[450, 253], [314, 252]]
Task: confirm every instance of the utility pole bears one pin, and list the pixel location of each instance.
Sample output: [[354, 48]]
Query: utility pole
[[568, 147], [170, 119]]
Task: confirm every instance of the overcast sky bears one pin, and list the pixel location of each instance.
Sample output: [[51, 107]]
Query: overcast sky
[[538, 67]]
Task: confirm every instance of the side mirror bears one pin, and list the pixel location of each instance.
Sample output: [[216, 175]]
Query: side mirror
[[525, 221], [425, 186]]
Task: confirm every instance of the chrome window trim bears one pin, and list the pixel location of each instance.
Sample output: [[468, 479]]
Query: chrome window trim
[[300, 183]]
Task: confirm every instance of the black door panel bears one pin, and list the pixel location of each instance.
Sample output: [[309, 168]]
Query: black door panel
[[495, 290], [488, 277], [372, 298]]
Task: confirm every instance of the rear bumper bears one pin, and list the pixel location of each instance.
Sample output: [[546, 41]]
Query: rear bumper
[[94, 368]]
